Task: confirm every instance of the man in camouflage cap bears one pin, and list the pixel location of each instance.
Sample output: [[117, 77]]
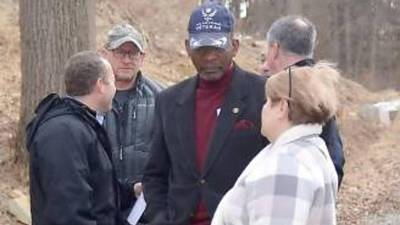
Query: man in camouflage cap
[[129, 123]]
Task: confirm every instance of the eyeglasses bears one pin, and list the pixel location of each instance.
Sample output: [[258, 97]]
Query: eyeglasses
[[290, 85], [121, 54], [290, 82]]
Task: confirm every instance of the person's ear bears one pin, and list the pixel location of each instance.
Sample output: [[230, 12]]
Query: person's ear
[[142, 57], [99, 86], [274, 48], [188, 50], [283, 112], [235, 46]]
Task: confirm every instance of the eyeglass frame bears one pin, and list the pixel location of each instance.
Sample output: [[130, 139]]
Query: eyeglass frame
[[120, 54], [290, 87], [290, 82]]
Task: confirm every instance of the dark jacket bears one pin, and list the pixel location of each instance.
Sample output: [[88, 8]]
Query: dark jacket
[[71, 175], [129, 127], [173, 186], [331, 136]]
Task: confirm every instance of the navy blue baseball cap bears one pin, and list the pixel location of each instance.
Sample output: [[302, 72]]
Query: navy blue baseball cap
[[210, 24]]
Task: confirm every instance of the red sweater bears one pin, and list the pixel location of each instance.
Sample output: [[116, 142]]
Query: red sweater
[[209, 98]]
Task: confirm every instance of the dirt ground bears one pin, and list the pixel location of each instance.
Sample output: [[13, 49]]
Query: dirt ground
[[370, 193]]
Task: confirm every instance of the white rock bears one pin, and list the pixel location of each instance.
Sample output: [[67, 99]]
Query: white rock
[[20, 207], [382, 112]]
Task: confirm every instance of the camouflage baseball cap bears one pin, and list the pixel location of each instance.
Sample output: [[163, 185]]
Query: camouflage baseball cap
[[122, 33]]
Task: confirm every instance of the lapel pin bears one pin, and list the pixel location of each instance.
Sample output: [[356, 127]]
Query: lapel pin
[[235, 110]]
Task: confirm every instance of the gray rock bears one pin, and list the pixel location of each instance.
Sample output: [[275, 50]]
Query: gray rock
[[387, 219], [382, 112]]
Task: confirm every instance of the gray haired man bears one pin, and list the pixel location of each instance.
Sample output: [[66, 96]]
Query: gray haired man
[[291, 42]]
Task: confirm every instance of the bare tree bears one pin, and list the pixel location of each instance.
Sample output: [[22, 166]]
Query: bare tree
[[51, 31]]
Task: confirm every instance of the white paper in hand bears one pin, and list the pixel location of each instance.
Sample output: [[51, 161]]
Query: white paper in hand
[[137, 210]]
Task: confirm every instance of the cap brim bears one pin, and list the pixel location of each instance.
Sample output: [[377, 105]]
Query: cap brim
[[115, 44], [218, 40]]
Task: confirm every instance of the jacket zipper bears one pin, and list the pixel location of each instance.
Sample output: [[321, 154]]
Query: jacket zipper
[[121, 150]]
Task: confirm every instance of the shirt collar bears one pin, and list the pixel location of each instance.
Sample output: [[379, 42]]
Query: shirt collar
[[305, 62], [297, 132]]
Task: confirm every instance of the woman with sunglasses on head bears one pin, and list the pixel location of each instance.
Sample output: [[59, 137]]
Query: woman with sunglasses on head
[[293, 180]]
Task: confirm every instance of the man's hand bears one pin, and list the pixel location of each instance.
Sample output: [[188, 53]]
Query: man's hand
[[137, 189]]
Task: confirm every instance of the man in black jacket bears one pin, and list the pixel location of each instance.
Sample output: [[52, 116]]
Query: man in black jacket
[[71, 174], [207, 128], [129, 123], [291, 42]]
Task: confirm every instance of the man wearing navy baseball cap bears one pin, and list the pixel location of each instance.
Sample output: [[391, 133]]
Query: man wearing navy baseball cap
[[210, 26], [207, 128]]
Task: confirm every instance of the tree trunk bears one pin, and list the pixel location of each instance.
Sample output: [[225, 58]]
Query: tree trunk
[[51, 31], [295, 7], [332, 39], [373, 34], [348, 44], [341, 29]]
